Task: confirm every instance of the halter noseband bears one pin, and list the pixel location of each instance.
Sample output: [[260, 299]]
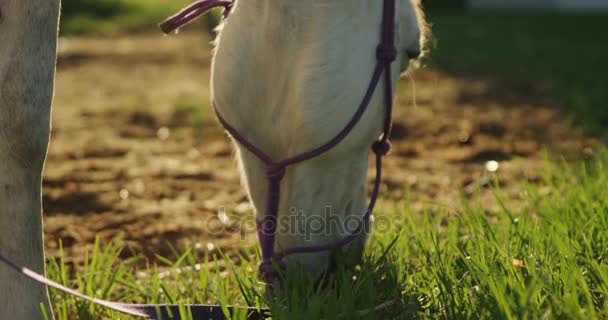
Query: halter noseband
[[275, 170]]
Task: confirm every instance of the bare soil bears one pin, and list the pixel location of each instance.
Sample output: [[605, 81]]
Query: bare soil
[[136, 153]]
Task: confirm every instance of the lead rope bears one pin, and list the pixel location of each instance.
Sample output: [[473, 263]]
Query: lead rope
[[272, 263], [146, 311]]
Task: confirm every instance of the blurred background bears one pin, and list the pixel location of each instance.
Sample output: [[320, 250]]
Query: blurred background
[[136, 153]]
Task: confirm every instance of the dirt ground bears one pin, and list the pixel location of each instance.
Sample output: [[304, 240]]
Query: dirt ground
[[137, 154]]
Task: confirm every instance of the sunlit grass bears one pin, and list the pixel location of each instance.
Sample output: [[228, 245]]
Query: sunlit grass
[[547, 260]]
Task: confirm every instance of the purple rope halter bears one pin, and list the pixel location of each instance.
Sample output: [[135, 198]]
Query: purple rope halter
[[192, 12], [273, 262], [275, 171]]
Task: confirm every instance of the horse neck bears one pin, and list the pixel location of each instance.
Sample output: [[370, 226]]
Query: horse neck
[[304, 8], [310, 19]]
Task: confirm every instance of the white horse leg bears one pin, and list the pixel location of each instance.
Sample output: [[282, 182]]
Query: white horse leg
[[28, 38]]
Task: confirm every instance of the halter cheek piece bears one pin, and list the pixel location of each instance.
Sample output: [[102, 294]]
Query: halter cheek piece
[[272, 262]]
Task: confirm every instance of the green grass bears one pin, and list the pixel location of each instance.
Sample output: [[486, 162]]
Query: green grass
[[549, 260], [564, 52]]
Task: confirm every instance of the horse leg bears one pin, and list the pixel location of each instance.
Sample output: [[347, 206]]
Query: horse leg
[[28, 38]]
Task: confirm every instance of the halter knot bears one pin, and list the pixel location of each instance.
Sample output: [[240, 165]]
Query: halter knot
[[269, 270], [275, 171], [386, 53], [382, 147]]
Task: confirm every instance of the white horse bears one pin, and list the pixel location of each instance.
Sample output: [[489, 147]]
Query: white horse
[[287, 73]]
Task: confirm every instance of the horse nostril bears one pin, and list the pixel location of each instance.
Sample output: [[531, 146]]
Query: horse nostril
[[413, 54]]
